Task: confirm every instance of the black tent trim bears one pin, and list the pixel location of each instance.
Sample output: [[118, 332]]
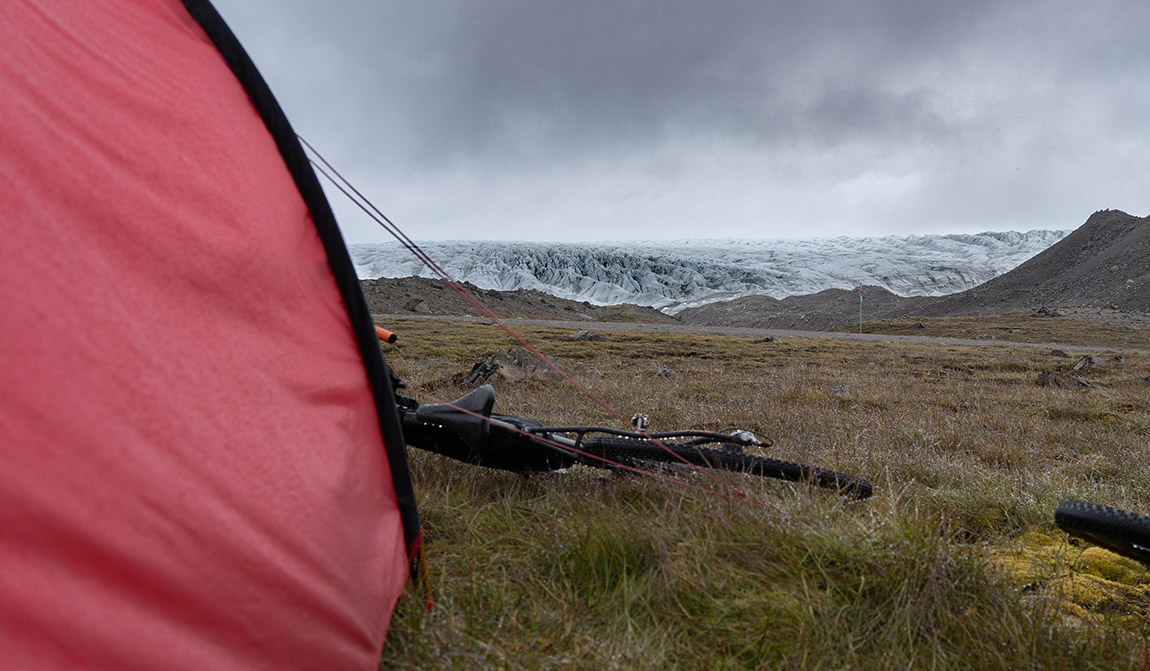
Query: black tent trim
[[338, 259]]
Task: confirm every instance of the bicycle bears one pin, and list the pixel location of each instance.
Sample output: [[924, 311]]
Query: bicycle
[[467, 430], [1117, 530]]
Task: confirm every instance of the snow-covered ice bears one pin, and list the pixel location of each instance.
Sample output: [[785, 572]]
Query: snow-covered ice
[[672, 275]]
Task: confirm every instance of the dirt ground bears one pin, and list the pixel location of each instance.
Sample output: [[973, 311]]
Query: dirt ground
[[1073, 340], [1087, 329]]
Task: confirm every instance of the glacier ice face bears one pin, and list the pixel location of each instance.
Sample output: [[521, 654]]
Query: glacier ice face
[[673, 275]]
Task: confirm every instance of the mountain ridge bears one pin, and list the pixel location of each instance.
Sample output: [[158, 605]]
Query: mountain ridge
[[1105, 263]]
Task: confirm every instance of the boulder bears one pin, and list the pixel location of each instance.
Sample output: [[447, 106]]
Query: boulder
[[1049, 378], [586, 335], [512, 365], [417, 305], [1086, 363]]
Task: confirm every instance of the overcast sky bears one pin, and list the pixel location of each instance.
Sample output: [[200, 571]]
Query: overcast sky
[[656, 119]]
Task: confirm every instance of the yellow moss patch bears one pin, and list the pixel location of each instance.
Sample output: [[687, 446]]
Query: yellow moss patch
[[1088, 582]]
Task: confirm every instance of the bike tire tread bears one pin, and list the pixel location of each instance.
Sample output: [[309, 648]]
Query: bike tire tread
[[630, 449], [1118, 530]]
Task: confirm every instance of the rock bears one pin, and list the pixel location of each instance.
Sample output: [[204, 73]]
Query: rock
[[512, 365], [1086, 363], [417, 305], [586, 335], [665, 373], [593, 372], [769, 339], [1058, 352], [918, 325], [1049, 378], [431, 362], [840, 389]]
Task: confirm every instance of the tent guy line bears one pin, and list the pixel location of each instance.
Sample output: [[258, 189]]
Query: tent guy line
[[345, 187]]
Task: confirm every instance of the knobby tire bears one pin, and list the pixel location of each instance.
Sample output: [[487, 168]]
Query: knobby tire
[[1121, 531], [627, 450]]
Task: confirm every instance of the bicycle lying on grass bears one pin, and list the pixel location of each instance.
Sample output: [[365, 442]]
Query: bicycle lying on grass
[[1117, 530], [468, 431]]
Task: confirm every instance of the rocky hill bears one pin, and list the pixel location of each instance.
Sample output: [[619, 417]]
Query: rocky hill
[[815, 312], [422, 296], [1105, 263]]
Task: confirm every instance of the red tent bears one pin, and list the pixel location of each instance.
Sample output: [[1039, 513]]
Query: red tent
[[200, 459]]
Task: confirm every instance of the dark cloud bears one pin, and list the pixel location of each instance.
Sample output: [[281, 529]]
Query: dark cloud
[[580, 76], [637, 116]]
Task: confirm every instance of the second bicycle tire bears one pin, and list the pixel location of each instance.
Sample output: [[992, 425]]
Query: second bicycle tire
[[1123, 532], [630, 449]]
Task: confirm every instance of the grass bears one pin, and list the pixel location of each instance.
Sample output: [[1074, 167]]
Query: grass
[[1020, 327], [954, 563]]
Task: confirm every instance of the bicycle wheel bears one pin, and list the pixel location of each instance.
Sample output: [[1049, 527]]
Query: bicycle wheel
[[1118, 530], [628, 450]]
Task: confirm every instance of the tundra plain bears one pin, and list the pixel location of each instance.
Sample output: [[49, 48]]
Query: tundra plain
[[955, 562]]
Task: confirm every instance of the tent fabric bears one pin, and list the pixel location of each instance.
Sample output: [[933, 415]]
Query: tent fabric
[[298, 164], [201, 462]]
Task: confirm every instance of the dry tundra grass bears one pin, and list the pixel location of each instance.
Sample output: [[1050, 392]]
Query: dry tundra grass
[[954, 563]]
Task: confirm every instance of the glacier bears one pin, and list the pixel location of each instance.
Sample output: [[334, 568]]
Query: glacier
[[677, 274]]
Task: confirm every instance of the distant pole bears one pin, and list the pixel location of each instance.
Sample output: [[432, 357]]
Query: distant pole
[[860, 308]]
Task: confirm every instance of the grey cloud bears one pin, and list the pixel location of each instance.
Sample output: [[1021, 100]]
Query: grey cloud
[[587, 75], [951, 107]]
